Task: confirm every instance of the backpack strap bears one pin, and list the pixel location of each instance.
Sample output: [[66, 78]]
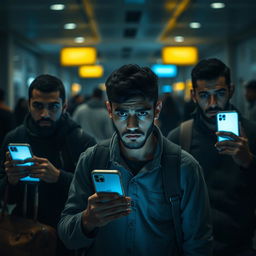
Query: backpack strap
[[186, 134], [100, 159], [171, 162]]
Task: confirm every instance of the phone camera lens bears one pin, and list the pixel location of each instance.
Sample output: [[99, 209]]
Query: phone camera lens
[[14, 149]]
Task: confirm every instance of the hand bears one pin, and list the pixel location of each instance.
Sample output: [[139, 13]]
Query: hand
[[103, 208], [13, 172], [43, 169], [238, 148]]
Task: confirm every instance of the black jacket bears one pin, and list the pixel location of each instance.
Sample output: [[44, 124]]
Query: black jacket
[[231, 188], [62, 149]]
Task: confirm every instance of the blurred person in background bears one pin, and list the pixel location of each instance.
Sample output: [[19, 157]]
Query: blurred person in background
[[93, 117], [74, 102], [20, 111], [250, 95], [7, 120]]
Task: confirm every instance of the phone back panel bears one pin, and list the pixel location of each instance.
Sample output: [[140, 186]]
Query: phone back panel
[[107, 182], [22, 152], [228, 122]]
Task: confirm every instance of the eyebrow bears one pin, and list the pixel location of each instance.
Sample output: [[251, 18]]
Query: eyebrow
[[136, 110], [50, 103]]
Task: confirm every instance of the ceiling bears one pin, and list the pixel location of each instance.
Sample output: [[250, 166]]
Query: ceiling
[[127, 31]]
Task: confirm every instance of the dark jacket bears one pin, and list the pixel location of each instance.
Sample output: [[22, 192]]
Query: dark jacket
[[231, 188], [62, 149]]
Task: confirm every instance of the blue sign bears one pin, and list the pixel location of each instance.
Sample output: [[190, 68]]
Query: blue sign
[[164, 70]]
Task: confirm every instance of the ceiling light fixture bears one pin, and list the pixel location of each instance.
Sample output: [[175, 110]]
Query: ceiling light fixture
[[79, 39], [217, 5], [195, 25], [70, 26], [57, 7], [179, 39]]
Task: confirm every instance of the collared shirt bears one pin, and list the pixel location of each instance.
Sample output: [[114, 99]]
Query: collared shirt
[[148, 229]]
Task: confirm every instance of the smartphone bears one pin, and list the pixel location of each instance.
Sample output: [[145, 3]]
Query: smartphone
[[107, 181], [22, 151], [227, 121]]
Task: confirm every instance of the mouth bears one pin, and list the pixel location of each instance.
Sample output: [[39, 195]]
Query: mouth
[[45, 123], [133, 136], [212, 113]]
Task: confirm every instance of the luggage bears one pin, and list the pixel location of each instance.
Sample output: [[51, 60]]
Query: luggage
[[20, 236]]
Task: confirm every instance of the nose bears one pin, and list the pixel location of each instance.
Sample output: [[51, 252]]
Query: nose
[[45, 112], [132, 122], [212, 100]]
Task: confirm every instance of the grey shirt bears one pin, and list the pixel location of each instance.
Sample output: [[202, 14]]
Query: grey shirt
[[148, 229]]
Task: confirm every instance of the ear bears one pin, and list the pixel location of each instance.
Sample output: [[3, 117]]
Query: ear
[[109, 109], [193, 95], [157, 109], [231, 90], [64, 107]]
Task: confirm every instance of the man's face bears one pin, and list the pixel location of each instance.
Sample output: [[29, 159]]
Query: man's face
[[134, 120], [212, 96], [46, 108]]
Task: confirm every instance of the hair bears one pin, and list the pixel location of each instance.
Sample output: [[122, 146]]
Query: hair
[[130, 81], [47, 83], [251, 85], [2, 95], [210, 69]]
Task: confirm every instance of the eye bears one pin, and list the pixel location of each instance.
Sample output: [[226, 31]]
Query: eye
[[38, 105], [54, 107], [122, 114], [142, 113], [203, 95], [221, 93]]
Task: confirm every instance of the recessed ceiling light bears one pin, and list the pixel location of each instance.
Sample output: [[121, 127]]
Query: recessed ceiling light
[[79, 39], [57, 7], [179, 39], [217, 5], [70, 26], [195, 25]]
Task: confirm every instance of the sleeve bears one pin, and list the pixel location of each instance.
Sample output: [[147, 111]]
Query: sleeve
[[70, 225], [195, 207]]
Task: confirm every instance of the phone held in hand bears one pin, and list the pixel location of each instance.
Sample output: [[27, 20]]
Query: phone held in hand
[[107, 181], [22, 151], [227, 121]]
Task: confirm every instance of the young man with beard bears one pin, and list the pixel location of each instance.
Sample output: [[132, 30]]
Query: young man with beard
[[140, 223], [229, 166], [56, 142]]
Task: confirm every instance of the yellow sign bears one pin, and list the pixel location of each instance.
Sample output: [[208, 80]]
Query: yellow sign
[[94, 71], [76, 56], [180, 55]]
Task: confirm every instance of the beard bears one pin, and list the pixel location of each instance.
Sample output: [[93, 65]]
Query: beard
[[135, 144], [45, 131]]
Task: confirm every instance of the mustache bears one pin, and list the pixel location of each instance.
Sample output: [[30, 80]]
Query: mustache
[[44, 119], [213, 109], [133, 132]]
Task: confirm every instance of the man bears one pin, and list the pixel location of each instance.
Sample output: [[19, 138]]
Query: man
[[93, 117], [229, 166], [7, 119], [140, 223], [56, 142], [250, 95]]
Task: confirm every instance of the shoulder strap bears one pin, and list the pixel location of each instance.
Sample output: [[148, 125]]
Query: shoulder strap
[[186, 134], [101, 155], [171, 162]]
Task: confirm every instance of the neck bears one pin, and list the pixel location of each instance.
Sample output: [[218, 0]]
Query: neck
[[141, 154]]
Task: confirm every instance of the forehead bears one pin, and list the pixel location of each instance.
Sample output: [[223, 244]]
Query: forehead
[[133, 104], [45, 96], [215, 84]]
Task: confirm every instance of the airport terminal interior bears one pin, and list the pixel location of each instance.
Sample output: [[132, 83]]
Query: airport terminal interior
[[35, 34]]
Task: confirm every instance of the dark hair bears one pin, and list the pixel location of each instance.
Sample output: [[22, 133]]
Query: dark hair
[[97, 93], [47, 84], [131, 81], [210, 69], [251, 85], [2, 95]]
